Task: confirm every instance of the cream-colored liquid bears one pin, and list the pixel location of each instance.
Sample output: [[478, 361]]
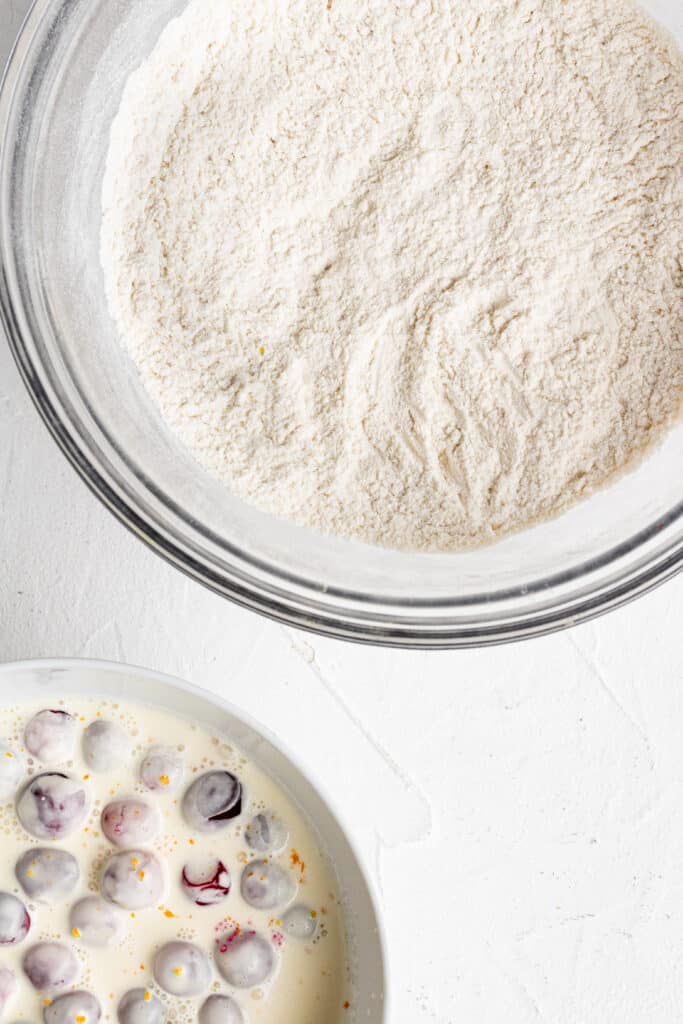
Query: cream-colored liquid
[[311, 982]]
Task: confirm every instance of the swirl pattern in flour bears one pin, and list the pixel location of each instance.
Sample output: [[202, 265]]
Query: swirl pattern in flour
[[404, 272]]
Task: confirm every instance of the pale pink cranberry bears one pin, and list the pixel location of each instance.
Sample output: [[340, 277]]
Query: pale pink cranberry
[[161, 769], [130, 822], [133, 879], [50, 966], [73, 1006], [140, 1006], [267, 833], [15, 921], [11, 771], [182, 969], [266, 885], [8, 987], [95, 922], [300, 922], [106, 745], [245, 959], [47, 875], [51, 735], [219, 1009], [52, 805]]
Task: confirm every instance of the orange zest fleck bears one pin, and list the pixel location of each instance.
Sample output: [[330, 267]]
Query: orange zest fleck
[[297, 861]]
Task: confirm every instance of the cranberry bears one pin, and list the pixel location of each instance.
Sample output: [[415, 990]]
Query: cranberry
[[220, 1009], [106, 745], [130, 821], [266, 885], [139, 1006], [245, 959], [212, 801], [182, 969], [14, 920], [52, 805], [51, 735], [133, 879], [50, 966], [206, 882], [47, 875], [73, 1006]]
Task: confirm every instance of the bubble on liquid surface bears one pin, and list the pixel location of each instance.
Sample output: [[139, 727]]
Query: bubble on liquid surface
[[161, 768], [206, 881], [212, 801], [106, 745], [130, 821], [182, 969], [15, 920], [245, 959], [300, 922], [219, 1009], [267, 833], [140, 1006], [133, 879], [50, 966], [95, 922], [52, 805], [47, 875], [266, 885], [8, 987], [51, 735], [11, 771], [82, 1007]]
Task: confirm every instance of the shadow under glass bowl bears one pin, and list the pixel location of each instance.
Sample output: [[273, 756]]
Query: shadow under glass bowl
[[41, 680], [61, 91]]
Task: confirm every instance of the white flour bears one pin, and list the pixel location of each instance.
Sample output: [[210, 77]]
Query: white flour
[[407, 272]]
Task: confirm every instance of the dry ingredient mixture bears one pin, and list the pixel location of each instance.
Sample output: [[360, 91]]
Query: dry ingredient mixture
[[151, 874], [408, 272]]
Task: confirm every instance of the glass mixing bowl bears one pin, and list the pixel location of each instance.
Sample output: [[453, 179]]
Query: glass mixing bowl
[[60, 94]]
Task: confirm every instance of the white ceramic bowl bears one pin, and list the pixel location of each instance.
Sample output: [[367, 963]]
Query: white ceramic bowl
[[39, 679]]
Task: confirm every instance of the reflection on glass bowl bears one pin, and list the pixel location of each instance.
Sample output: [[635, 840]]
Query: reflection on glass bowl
[[61, 92]]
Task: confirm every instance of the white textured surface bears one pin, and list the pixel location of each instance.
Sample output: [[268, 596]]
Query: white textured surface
[[521, 808]]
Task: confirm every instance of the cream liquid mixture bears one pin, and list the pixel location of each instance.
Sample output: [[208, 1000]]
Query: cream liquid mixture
[[165, 876]]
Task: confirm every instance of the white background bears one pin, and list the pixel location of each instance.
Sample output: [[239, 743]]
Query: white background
[[521, 809]]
